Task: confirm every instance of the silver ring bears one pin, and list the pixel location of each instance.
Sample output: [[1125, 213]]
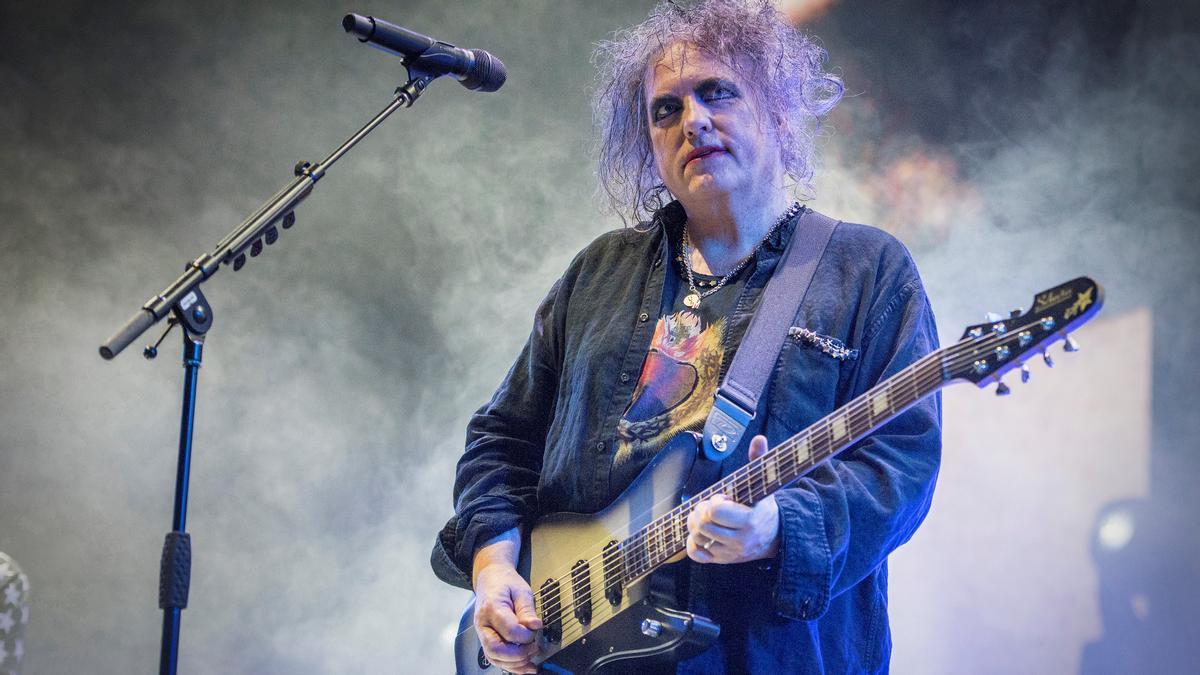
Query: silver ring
[[706, 544]]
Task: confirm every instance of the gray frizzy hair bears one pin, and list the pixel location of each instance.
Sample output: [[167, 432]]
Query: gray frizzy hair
[[785, 67]]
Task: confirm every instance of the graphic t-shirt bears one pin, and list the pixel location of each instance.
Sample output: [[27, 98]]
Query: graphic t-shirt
[[681, 373]]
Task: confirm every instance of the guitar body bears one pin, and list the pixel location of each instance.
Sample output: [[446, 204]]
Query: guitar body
[[585, 631]]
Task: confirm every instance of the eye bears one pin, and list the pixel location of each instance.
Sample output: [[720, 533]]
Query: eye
[[663, 110], [720, 92]]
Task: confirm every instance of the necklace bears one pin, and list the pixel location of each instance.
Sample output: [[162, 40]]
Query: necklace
[[692, 299]]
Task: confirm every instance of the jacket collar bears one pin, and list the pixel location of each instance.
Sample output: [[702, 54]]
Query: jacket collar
[[671, 218]]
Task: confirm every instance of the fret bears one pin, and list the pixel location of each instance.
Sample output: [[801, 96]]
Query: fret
[[758, 485], [822, 442], [739, 491], [800, 453], [881, 405], [745, 491], [837, 429], [771, 469]]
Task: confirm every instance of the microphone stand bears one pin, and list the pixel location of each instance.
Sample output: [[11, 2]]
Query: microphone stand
[[190, 310]]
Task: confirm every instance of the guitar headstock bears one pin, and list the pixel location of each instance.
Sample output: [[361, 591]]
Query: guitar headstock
[[989, 350]]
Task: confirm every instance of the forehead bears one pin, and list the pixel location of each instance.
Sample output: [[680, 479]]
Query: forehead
[[683, 64]]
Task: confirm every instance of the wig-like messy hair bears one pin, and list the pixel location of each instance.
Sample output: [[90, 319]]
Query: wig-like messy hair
[[784, 67]]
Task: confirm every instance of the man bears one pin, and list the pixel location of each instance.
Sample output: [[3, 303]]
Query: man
[[716, 106]]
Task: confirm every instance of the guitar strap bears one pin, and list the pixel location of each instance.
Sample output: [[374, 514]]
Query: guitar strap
[[746, 379]]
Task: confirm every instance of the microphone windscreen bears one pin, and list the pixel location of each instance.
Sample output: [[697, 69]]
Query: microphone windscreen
[[487, 73]]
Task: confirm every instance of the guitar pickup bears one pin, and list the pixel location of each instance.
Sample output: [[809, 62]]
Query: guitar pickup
[[581, 591], [613, 573], [550, 602]]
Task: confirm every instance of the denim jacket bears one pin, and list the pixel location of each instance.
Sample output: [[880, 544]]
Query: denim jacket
[[544, 443]]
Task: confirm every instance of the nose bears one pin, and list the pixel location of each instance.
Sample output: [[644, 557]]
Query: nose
[[696, 118]]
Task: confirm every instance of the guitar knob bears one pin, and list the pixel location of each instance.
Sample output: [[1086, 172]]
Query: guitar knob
[[1070, 345], [1002, 389], [1015, 313], [1025, 375], [1049, 361], [651, 628]]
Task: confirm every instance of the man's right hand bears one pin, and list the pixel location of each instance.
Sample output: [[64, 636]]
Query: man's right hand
[[505, 619]]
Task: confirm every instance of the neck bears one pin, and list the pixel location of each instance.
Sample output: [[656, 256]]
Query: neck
[[724, 231]]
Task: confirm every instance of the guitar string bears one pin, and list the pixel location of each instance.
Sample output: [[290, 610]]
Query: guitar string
[[674, 521], [747, 476], [922, 374], [925, 371]]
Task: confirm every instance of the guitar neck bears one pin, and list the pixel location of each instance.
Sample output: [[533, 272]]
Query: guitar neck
[[665, 537]]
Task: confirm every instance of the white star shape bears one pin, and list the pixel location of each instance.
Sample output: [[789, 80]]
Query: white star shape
[[6, 621], [11, 594]]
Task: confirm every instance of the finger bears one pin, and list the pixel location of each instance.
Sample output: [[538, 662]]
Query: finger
[[758, 447], [521, 666], [496, 648], [695, 550], [729, 513], [718, 534], [523, 606], [503, 621]]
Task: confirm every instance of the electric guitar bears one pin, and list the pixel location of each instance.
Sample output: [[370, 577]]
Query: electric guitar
[[590, 574]]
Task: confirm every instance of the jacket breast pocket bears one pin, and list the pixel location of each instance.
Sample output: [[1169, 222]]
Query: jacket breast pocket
[[807, 377]]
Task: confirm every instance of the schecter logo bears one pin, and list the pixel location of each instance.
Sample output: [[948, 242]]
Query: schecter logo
[[1082, 302], [1051, 299]]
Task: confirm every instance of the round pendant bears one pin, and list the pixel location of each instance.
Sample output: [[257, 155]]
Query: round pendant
[[692, 300]]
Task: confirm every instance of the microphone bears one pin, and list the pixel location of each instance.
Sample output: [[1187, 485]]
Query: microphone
[[475, 68]]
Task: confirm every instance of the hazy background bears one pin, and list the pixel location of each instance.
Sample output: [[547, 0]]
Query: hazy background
[[1011, 146]]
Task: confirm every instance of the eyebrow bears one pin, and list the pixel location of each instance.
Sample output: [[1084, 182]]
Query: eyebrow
[[703, 86]]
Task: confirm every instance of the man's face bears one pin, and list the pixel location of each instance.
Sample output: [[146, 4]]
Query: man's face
[[705, 130]]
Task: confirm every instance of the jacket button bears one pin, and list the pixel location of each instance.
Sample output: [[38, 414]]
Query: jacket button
[[643, 317], [600, 446], [624, 377]]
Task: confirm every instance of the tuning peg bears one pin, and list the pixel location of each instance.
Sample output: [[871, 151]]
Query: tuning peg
[[271, 235], [1015, 313], [1002, 389], [1046, 357], [239, 261], [1070, 345], [1024, 373]]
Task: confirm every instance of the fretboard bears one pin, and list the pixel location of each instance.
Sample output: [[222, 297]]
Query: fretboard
[[666, 536]]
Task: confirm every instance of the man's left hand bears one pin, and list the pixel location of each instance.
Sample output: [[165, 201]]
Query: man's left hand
[[723, 531]]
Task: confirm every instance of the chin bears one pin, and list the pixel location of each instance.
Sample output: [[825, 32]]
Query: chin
[[709, 185]]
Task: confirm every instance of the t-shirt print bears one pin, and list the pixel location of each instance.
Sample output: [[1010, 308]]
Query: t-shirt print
[[676, 388]]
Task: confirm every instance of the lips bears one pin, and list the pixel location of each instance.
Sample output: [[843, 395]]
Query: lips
[[703, 151]]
